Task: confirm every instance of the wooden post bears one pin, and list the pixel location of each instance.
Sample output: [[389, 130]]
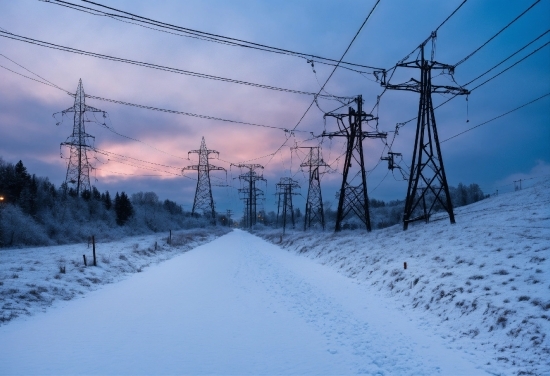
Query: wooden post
[[93, 247], [84, 256], [155, 246], [405, 265], [170, 238]]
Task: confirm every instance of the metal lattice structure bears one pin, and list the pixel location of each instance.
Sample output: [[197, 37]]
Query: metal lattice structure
[[79, 142], [353, 198], [204, 202], [285, 190], [428, 190], [314, 214], [249, 193]]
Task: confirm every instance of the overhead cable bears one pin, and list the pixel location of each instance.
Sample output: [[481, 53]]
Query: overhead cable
[[509, 57], [185, 113], [494, 36], [48, 83], [197, 34], [497, 117], [328, 78], [156, 66]]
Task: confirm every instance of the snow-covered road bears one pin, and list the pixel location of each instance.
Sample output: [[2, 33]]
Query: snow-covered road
[[237, 305]]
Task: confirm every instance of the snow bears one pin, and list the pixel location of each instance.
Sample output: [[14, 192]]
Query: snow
[[31, 278], [237, 305], [473, 300], [482, 283]]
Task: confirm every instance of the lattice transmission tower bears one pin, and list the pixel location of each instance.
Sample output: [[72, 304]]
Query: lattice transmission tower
[[314, 214], [79, 142], [428, 190], [250, 194], [285, 189], [353, 198], [204, 202]]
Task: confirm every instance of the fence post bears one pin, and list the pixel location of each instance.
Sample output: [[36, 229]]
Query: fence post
[[170, 238], [84, 256], [93, 247]]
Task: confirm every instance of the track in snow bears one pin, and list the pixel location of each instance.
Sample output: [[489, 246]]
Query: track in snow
[[237, 305]]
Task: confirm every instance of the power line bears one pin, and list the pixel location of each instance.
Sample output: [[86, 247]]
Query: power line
[[105, 152], [48, 83], [393, 69], [329, 77], [452, 14], [123, 173], [489, 70], [511, 66], [186, 113], [157, 67], [42, 78], [509, 57], [196, 34], [427, 39], [494, 36], [497, 117]]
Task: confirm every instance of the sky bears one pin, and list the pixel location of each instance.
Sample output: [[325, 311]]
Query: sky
[[492, 155]]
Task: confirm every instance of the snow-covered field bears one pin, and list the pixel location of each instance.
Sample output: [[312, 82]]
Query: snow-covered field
[[474, 299], [483, 284], [32, 278], [237, 305]]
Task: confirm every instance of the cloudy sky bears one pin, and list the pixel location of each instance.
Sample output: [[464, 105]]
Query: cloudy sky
[[492, 155]]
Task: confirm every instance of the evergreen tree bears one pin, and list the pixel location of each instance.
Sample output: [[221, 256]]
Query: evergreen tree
[[123, 208], [106, 198], [21, 179], [95, 194], [86, 194]]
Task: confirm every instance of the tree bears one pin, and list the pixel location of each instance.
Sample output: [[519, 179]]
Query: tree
[[106, 198], [22, 178], [172, 207], [95, 194], [86, 194], [123, 208]]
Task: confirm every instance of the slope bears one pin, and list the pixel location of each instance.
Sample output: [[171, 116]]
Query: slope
[[482, 283]]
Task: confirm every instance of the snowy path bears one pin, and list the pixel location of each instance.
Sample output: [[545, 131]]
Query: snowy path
[[237, 305]]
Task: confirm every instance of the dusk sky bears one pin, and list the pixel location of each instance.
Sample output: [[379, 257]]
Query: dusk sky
[[493, 155]]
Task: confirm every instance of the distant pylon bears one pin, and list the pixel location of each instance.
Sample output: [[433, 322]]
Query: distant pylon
[[285, 192], [427, 161], [249, 193], [314, 214], [78, 168], [204, 201]]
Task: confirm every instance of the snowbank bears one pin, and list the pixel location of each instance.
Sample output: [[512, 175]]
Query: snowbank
[[31, 279], [483, 282]]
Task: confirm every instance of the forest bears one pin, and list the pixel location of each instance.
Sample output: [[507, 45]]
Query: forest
[[34, 212]]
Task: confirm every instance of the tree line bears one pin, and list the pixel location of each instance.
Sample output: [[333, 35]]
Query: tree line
[[33, 211], [383, 213]]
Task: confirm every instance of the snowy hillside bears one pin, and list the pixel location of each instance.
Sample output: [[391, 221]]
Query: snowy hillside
[[32, 278], [483, 282]]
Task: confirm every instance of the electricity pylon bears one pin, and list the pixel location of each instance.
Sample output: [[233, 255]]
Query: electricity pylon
[[427, 181], [78, 168], [203, 194], [250, 193], [284, 189], [314, 214], [353, 198]]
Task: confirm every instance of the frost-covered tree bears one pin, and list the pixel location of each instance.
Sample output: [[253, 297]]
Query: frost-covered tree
[[123, 208]]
